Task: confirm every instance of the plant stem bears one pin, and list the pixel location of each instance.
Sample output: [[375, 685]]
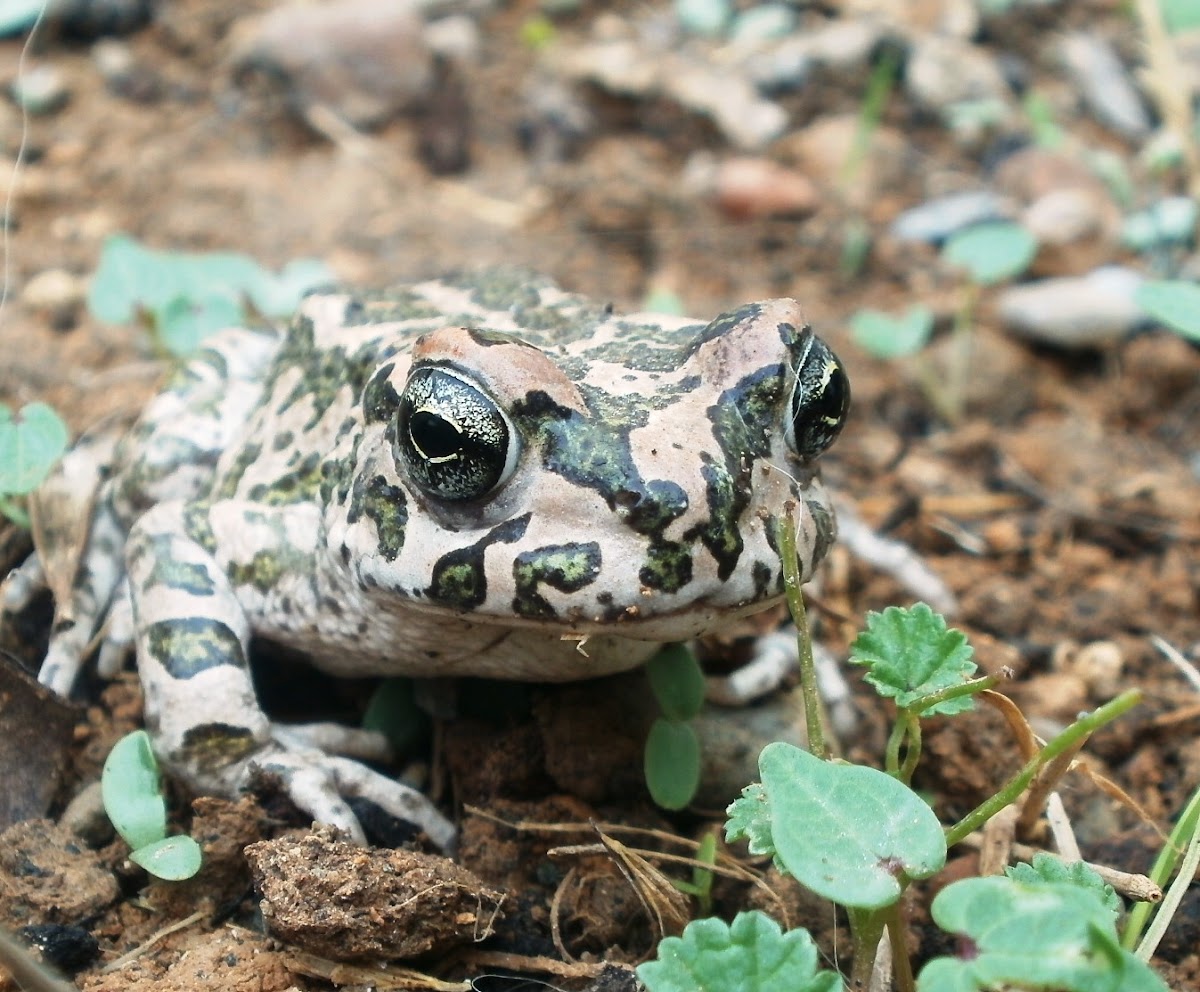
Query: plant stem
[[1080, 730], [808, 675], [1164, 865], [867, 927], [901, 964], [981, 684]]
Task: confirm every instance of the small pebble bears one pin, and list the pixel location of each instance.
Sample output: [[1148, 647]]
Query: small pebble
[[455, 38], [765, 23], [58, 294], [86, 818], [746, 188], [40, 90], [703, 17], [942, 72], [935, 220], [1105, 85], [1169, 221], [1074, 311], [1099, 665], [366, 60]]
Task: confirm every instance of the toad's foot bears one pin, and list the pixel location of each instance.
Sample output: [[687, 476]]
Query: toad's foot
[[320, 784]]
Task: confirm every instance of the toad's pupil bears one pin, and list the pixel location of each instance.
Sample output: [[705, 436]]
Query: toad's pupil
[[435, 437]]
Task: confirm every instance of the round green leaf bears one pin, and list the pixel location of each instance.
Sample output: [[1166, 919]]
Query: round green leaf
[[886, 336], [29, 447], [991, 252], [172, 858], [672, 763], [132, 792], [1174, 303], [677, 682], [852, 834], [184, 322]]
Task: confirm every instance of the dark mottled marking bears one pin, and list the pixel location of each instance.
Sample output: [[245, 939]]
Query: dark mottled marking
[[668, 566], [167, 570], [386, 505], [215, 745], [565, 567], [249, 454], [458, 577], [826, 528], [379, 396], [198, 527], [723, 324], [761, 573], [283, 440], [187, 646]]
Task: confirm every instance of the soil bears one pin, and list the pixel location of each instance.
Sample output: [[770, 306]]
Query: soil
[[1060, 508]]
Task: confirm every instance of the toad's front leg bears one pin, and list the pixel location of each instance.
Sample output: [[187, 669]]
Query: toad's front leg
[[198, 575]]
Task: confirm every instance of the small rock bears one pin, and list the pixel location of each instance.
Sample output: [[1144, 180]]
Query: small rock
[[1098, 664], [455, 38], [765, 23], [1169, 221], [827, 149], [40, 90], [56, 291], [1107, 90], [935, 220], [942, 72], [47, 877], [1074, 311], [746, 188], [703, 17], [366, 60], [85, 817], [746, 120], [839, 47]]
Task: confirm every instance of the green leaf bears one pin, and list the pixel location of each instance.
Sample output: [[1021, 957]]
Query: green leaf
[[750, 955], [1180, 15], [183, 323], [131, 278], [132, 792], [1046, 935], [172, 858], [885, 336], [1174, 303], [29, 447], [912, 654], [991, 252], [677, 682], [393, 711], [672, 763], [1048, 868], [750, 817], [852, 834]]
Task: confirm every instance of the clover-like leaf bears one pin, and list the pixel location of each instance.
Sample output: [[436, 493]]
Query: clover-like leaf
[[132, 791], [672, 763], [30, 444], [885, 336], [1172, 302], [991, 252], [911, 653], [1044, 935], [750, 955], [185, 322], [852, 834], [1048, 868], [677, 682], [171, 858], [750, 818]]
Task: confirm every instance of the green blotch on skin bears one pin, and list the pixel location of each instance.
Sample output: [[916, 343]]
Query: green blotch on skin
[[182, 575], [187, 646], [266, 568], [459, 579], [565, 567], [198, 527], [668, 566], [386, 506], [245, 458], [215, 745]]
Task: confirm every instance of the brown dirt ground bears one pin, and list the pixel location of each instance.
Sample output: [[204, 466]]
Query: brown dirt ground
[[1058, 509]]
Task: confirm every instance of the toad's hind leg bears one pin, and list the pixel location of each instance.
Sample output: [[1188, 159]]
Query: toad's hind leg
[[195, 570], [168, 454]]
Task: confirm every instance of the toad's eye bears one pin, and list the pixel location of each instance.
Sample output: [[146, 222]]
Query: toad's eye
[[453, 438], [820, 399]]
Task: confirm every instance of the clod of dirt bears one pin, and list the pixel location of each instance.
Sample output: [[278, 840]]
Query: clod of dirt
[[47, 876], [350, 903]]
